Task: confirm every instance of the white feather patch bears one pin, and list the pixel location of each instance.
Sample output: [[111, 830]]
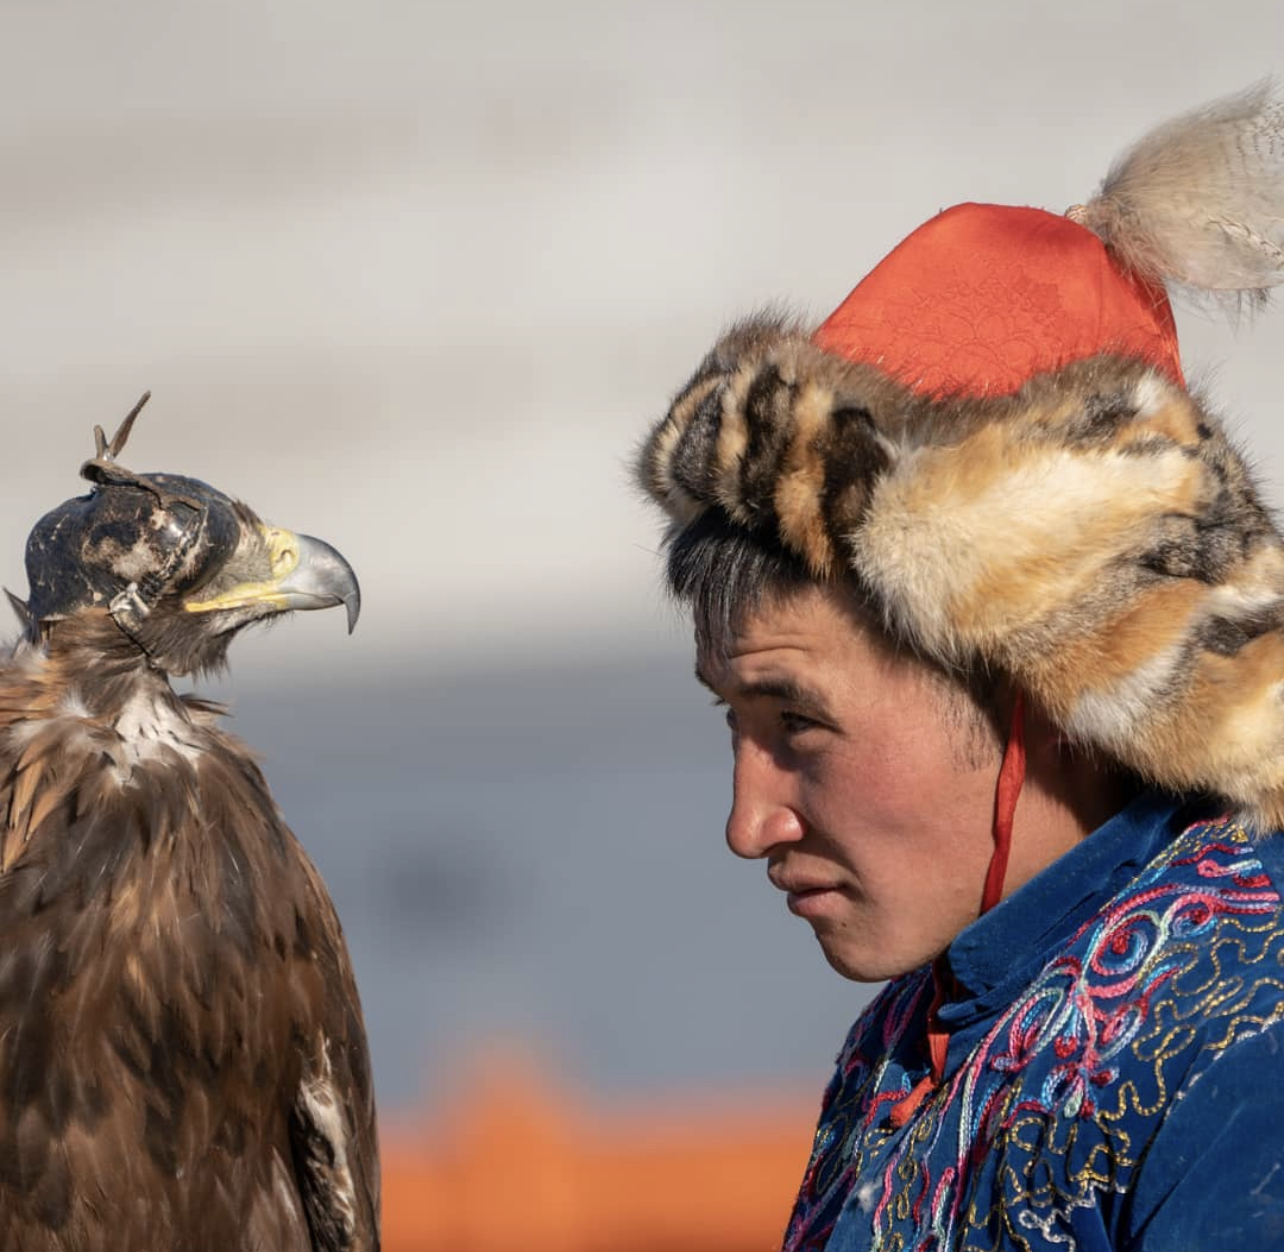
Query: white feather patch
[[149, 725], [322, 1105], [1201, 198]]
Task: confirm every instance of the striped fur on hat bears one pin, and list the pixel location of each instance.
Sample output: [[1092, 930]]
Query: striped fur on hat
[[1038, 493]]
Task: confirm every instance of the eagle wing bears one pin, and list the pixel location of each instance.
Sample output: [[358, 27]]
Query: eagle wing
[[332, 1128]]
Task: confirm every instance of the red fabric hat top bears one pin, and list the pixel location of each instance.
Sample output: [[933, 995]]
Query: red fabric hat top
[[984, 296]]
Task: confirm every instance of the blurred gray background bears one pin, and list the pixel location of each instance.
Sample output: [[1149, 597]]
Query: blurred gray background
[[414, 277]]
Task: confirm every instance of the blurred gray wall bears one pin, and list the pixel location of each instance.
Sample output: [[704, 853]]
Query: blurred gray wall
[[414, 277]]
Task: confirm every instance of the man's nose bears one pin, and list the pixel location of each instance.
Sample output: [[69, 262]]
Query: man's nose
[[762, 804]]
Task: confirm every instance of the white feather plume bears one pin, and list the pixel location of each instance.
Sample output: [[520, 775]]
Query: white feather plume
[[1199, 201]]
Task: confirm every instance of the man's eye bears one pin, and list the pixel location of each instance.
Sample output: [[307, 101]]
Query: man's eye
[[728, 714], [796, 723]]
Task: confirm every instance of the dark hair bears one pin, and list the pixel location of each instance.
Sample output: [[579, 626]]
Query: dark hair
[[725, 573]]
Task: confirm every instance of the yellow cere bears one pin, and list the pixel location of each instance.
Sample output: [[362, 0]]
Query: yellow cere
[[283, 556]]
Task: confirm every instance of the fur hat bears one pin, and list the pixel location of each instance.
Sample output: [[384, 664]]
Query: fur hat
[[992, 437]]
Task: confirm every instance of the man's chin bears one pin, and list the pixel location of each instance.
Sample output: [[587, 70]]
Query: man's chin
[[861, 965]]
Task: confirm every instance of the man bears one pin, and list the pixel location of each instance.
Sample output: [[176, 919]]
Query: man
[[996, 613]]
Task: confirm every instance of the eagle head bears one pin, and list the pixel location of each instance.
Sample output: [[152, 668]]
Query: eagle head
[[178, 565]]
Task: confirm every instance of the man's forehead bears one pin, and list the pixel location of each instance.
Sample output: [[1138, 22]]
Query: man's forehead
[[810, 622], [772, 683]]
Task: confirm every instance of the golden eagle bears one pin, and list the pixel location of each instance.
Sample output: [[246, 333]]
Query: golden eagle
[[183, 1063]]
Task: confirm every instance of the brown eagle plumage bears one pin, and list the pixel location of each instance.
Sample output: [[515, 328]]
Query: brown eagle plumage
[[183, 1063]]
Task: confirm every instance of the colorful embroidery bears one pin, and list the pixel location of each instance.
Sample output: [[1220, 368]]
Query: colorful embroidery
[[1047, 1118]]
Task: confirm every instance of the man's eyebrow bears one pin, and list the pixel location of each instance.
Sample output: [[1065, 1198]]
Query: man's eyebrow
[[786, 690]]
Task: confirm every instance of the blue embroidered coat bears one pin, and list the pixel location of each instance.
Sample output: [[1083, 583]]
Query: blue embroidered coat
[[1115, 1071]]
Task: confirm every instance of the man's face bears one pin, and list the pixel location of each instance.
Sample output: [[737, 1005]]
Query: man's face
[[871, 802]]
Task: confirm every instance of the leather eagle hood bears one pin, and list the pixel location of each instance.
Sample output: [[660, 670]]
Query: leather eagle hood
[[159, 531]]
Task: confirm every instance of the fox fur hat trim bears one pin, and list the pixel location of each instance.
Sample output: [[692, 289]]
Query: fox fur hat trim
[[1014, 472]]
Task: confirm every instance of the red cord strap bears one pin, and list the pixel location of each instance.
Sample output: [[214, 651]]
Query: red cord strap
[[1011, 779]]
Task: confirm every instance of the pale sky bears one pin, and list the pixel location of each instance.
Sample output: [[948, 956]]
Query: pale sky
[[414, 277]]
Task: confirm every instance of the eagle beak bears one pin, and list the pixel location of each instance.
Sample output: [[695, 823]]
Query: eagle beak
[[306, 573], [321, 580]]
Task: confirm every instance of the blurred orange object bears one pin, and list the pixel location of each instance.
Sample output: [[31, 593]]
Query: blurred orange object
[[513, 1164]]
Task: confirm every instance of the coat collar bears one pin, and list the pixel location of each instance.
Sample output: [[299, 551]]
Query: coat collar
[[1002, 951]]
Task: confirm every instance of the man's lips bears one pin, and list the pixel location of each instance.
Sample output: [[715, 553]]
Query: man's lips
[[806, 897]]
